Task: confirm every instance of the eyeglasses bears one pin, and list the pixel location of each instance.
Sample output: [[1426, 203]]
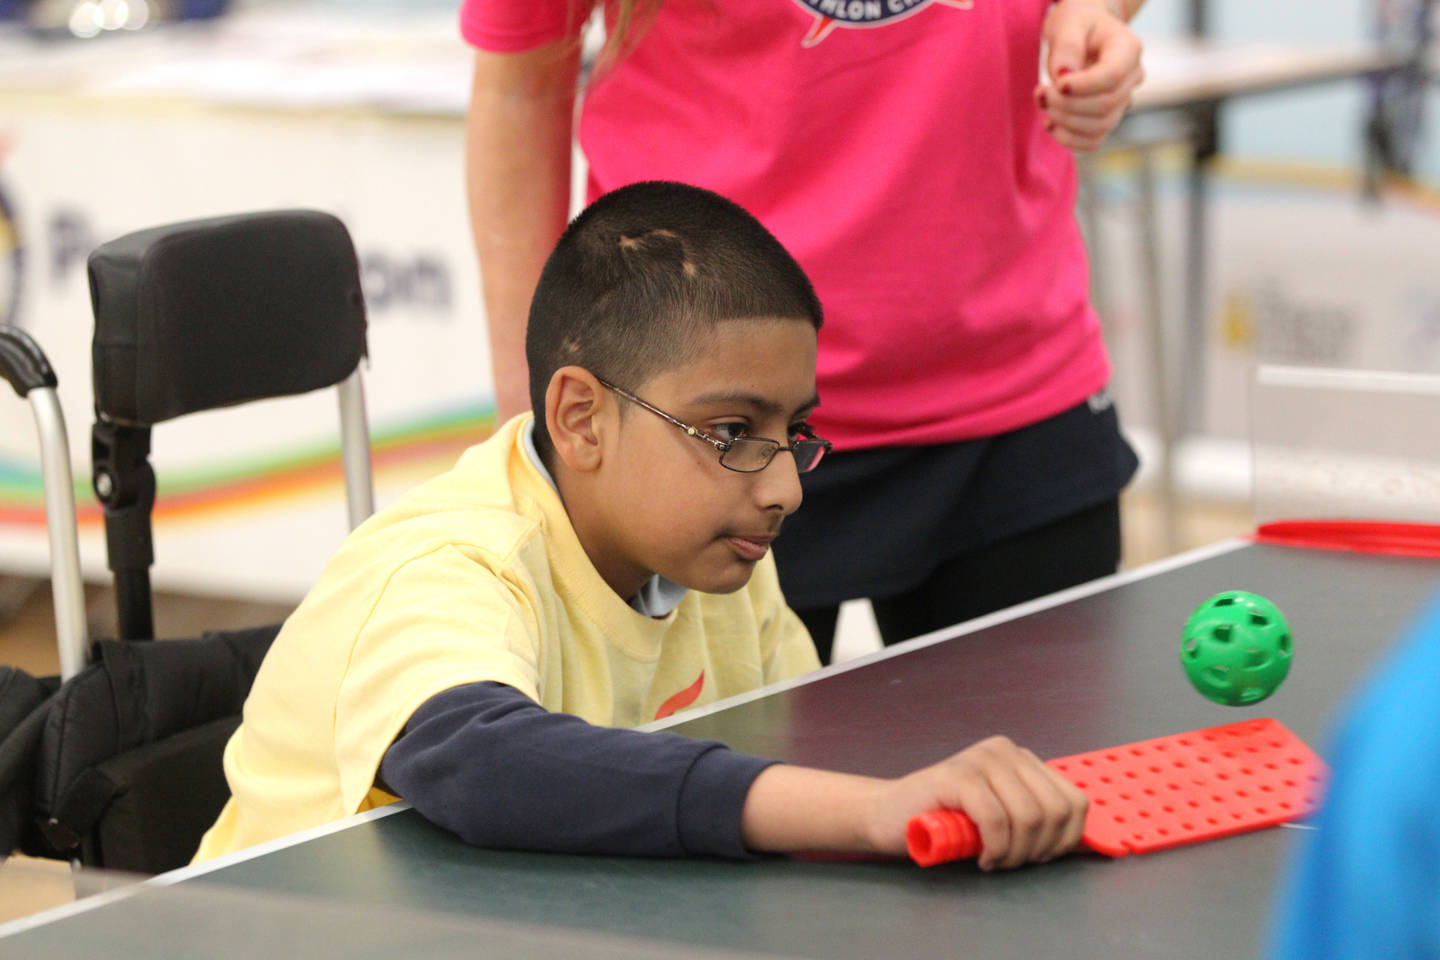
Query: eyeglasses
[[743, 454]]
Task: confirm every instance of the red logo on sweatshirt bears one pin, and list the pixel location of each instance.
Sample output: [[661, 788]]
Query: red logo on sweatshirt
[[830, 14], [682, 699]]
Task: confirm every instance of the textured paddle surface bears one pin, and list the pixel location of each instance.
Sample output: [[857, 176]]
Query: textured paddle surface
[[1162, 793]]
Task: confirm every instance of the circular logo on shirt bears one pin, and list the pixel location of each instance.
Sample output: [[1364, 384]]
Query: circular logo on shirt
[[830, 14]]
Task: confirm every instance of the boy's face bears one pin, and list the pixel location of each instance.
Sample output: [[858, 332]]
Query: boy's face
[[669, 506]]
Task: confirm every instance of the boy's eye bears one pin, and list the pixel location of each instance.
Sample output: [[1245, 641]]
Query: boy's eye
[[731, 430]]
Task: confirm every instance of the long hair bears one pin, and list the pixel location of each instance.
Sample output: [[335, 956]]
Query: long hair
[[631, 18]]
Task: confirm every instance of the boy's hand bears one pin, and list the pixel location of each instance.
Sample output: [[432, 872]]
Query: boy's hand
[[1025, 811], [1093, 60]]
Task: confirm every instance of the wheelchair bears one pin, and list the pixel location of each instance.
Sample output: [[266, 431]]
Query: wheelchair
[[116, 763]]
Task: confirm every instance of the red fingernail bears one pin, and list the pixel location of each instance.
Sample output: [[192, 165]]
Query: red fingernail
[[1041, 99], [1062, 71], [1049, 126], [1065, 88]]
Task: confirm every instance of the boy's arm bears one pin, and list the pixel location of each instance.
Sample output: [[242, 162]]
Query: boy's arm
[[488, 763]]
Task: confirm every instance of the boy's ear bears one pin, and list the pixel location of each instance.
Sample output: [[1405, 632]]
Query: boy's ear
[[574, 403]]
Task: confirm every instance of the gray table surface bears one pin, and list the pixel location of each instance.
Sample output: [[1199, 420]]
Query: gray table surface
[[1094, 672]]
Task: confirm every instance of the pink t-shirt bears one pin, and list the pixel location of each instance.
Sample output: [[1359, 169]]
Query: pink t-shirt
[[894, 147]]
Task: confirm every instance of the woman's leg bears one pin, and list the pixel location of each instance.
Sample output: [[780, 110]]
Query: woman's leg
[[1069, 551]]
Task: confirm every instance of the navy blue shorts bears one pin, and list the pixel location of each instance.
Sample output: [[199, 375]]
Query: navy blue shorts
[[878, 522]]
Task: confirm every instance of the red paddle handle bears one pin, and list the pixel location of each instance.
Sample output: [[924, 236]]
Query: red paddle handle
[[941, 835]]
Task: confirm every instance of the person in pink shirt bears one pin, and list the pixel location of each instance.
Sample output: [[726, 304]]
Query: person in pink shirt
[[916, 157]]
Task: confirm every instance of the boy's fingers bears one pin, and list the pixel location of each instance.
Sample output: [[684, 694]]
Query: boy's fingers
[[1080, 807], [987, 812], [1058, 805], [1029, 829], [1076, 806]]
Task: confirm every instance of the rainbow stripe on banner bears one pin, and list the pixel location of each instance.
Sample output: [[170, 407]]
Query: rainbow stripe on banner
[[429, 444]]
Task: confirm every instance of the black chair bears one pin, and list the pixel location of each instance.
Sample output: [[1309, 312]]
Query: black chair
[[120, 767]]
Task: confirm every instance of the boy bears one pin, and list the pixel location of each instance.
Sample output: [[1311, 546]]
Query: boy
[[608, 558]]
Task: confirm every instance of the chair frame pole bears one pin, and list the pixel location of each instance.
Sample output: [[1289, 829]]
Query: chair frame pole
[[66, 583], [355, 449]]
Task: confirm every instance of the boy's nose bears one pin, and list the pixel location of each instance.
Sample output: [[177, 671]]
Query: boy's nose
[[778, 485]]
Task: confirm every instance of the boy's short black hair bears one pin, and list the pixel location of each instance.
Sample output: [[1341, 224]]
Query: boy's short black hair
[[639, 279]]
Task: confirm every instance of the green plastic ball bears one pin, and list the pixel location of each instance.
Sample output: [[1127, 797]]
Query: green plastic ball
[[1236, 648]]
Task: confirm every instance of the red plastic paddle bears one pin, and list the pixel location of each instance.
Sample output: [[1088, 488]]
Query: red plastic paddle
[[1163, 793]]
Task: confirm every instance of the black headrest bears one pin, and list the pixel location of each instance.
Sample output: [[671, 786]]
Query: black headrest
[[215, 312]]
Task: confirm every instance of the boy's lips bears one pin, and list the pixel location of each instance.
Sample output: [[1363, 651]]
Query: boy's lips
[[751, 547]]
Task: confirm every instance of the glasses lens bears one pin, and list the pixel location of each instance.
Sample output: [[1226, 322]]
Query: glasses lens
[[807, 454], [749, 454]]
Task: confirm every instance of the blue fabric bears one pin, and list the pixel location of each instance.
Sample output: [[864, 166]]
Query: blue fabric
[[488, 763], [1366, 883]]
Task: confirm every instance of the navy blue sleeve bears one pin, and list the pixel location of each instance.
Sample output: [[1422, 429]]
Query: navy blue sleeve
[[488, 763]]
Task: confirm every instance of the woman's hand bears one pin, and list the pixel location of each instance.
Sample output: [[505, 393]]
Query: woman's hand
[[1093, 60]]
